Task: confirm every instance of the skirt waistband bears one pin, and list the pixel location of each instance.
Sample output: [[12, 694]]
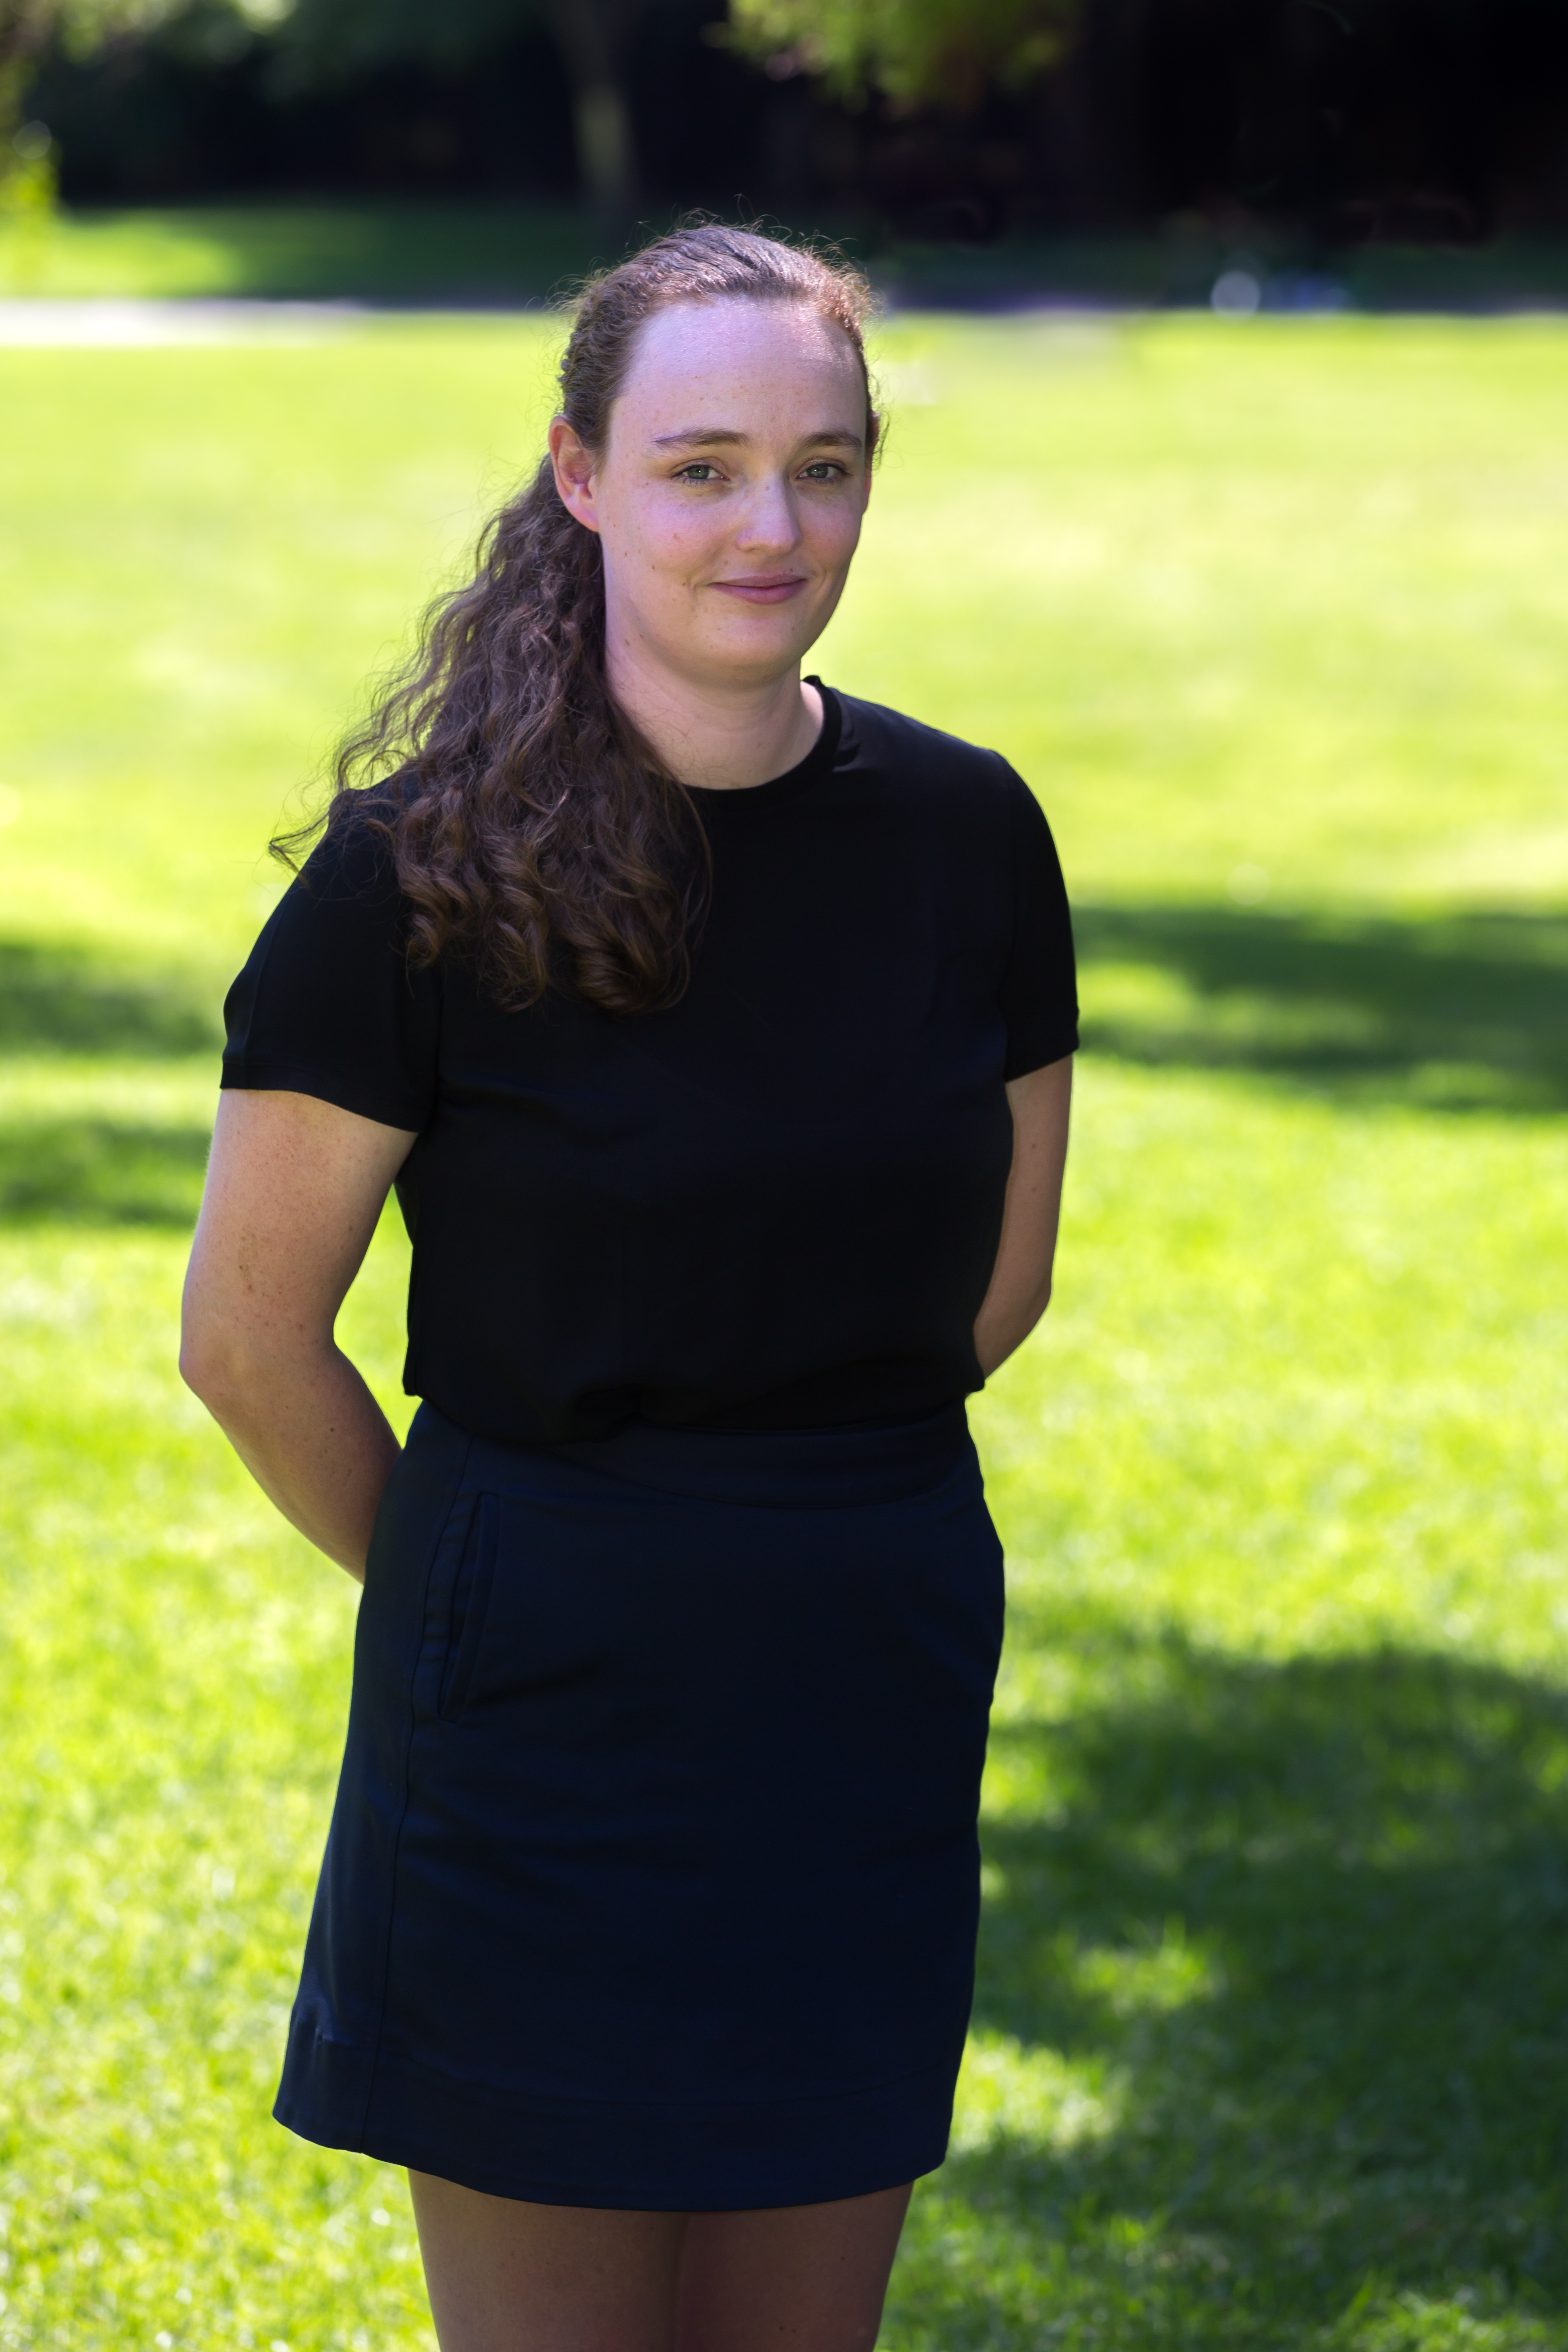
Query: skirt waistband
[[783, 1468]]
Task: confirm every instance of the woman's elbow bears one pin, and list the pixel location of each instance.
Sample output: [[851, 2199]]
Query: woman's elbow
[[222, 1360], [210, 1364]]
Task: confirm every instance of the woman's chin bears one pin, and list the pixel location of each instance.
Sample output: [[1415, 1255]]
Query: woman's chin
[[761, 638]]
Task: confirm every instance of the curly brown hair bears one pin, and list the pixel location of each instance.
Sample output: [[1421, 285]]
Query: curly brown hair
[[531, 825]]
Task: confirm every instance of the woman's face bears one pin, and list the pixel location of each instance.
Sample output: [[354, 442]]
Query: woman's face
[[730, 492]]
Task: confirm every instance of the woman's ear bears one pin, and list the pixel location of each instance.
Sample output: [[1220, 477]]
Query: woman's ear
[[573, 464]]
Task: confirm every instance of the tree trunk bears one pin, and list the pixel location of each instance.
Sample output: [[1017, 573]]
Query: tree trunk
[[605, 152], [593, 37]]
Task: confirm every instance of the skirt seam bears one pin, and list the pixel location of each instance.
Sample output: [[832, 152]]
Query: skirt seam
[[658, 2106], [384, 1968]]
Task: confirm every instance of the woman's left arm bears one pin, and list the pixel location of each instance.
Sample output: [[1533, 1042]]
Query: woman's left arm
[[1020, 1280]]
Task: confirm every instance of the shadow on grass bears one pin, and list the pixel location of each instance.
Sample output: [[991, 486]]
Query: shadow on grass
[[90, 1168], [1458, 1011], [1306, 1925], [1454, 1012], [1454, 1008], [55, 1000], [100, 1171]]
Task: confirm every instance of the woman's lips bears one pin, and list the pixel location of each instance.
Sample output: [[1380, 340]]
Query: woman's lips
[[775, 589]]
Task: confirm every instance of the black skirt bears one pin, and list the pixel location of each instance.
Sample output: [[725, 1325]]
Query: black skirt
[[652, 1880]]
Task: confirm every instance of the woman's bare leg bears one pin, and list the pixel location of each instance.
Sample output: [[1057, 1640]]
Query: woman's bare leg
[[507, 2276], [811, 2278]]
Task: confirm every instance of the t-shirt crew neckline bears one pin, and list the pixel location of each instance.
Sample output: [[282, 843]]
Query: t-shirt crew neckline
[[817, 763]]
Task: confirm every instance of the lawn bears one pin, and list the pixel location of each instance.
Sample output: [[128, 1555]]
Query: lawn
[[1271, 2030], [386, 251], [452, 250]]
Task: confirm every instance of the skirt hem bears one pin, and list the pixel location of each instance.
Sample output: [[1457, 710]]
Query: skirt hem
[[645, 2157]]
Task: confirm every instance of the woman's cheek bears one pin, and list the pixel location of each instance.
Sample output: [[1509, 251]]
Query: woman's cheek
[[672, 529], [834, 532]]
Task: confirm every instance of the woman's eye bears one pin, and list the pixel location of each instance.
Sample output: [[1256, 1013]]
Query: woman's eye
[[824, 470], [697, 472]]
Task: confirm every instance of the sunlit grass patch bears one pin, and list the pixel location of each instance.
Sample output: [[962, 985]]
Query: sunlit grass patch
[[174, 1688], [1477, 2320], [1304, 1380], [1023, 2097]]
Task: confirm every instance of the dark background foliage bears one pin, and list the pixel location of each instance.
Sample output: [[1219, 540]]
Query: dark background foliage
[[1330, 123]]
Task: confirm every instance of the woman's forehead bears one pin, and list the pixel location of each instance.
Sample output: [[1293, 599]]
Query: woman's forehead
[[721, 351]]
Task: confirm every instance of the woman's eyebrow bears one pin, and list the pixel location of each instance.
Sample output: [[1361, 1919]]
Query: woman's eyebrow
[[700, 437], [717, 436]]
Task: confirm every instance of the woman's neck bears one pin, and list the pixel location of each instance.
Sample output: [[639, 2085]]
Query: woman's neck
[[720, 736]]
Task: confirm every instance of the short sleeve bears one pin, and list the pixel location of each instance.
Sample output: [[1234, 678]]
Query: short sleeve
[[1040, 987], [327, 1003]]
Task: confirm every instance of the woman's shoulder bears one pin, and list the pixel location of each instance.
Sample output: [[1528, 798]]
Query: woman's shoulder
[[965, 800], [878, 738], [353, 857], [343, 912]]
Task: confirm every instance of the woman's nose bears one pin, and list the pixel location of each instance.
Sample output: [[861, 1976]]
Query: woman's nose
[[769, 519]]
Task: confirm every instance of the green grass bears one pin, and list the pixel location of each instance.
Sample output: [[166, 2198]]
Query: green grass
[[388, 251], [451, 249], [1270, 2030]]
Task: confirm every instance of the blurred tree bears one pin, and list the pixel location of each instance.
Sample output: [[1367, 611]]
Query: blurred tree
[[324, 41], [26, 29], [594, 37], [29, 28], [920, 52]]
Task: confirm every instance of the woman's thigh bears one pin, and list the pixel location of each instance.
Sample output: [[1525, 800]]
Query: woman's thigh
[[509, 2277], [810, 2277]]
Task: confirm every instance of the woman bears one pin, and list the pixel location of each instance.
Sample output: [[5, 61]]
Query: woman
[[714, 1029]]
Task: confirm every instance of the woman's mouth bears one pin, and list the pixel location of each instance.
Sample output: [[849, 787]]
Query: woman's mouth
[[763, 587]]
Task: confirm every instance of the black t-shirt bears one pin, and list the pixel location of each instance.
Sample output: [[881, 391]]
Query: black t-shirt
[[775, 1204]]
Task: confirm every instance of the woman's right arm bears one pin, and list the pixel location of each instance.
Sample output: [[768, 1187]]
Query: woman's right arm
[[294, 1189]]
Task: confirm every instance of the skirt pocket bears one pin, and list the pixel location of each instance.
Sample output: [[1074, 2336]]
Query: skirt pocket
[[470, 1604]]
